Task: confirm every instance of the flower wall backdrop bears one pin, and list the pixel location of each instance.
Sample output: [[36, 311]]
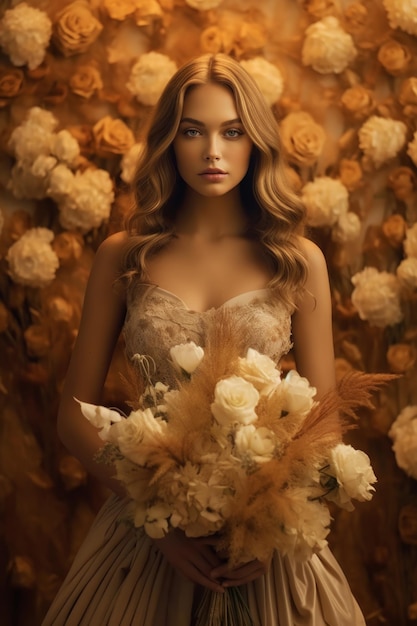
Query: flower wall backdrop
[[78, 80]]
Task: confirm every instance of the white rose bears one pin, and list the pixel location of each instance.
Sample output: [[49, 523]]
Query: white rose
[[32, 261], [410, 241], [347, 228], [60, 182], [149, 75], [258, 443], [402, 14], [137, 435], [412, 149], [407, 273], [297, 394], [327, 47], [129, 162], [267, 76], [354, 475], [381, 139], [203, 5], [326, 200], [259, 370], [376, 297], [65, 147], [235, 400], [24, 35], [187, 356]]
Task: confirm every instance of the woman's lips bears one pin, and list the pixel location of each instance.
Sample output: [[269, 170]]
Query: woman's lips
[[213, 175]]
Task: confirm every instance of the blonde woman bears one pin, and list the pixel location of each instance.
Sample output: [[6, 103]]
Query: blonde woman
[[215, 225]]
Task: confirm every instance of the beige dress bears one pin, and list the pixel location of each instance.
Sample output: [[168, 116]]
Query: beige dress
[[118, 577]]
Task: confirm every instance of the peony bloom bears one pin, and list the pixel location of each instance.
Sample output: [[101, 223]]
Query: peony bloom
[[24, 35], [32, 261], [303, 139], [407, 273], [65, 147], [326, 200], [235, 400], [402, 14], [267, 76], [187, 356], [347, 228], [381, 139], [403, 433], [34, 136], [149, 75], [354, 476], [259, 370], [327, 47], [376, 297], [60, 182], [412, 149]]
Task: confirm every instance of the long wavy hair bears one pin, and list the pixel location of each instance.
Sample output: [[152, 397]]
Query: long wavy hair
[[275, 212]]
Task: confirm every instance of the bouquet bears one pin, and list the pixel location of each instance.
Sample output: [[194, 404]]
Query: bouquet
[[238, 451]]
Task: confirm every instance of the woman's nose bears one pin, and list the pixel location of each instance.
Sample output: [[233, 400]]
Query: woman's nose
[[212, 151]]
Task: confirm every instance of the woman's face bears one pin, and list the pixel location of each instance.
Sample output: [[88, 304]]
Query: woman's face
[[211, 147]]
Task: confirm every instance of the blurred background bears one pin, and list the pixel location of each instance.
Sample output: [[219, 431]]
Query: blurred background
[[78, 81]]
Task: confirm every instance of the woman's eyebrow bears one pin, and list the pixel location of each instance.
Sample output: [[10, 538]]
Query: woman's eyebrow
[[191, 120]]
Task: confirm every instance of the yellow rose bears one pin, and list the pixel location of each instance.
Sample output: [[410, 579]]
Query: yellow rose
[[75, 28], [350, 173], [119, 9], [11, 83], [85, 81], [394, 57], [402, 181], [303, 139], [401, 357], [358, 101], [112, 136]]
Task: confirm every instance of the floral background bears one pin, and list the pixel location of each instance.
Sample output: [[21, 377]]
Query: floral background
[[78, 80]]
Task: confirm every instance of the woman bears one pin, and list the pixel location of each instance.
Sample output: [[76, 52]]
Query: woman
[[216, 226]]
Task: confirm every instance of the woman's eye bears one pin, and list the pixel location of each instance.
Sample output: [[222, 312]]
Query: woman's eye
[[191, 132], [233, 132]]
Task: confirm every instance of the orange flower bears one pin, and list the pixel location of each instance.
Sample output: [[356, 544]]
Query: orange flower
[[394, 57], [76, 28], [358, 101], [112, 136], [394, 228], [350, 173]]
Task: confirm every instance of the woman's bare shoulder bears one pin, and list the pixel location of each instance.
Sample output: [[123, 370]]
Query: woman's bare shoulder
[[111, 250], [314, 256]]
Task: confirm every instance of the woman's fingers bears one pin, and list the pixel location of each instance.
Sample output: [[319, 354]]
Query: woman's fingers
[[240, 575]]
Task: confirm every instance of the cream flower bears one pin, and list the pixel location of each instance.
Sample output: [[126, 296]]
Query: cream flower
[[403, 433], [129, 162], [407, 273], [259, 370], [85, 81], [24, 35], [100, 417], [376, 297], [235, 400], [381, 139], [354, 475], [267, 76], [326, 200], [60, 182], [303, 139], [402, 14], [257, 443], [134, 434], [33, 136], [156, 520], [327, 47], [203, 5], [410, 241], [297, 393], [412, 149], [347, 228], [76, 28], [187, 356], [65, 147], [305, 532], [32, 261], [89, 202], [149, 75]]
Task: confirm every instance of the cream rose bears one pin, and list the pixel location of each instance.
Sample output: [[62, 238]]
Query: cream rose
[[187, 356], [354, 475], [327, 47], [267, 76], [394, 57], [326, 200], [296, 393], [303, 139], [381, 139], [235, 400], [407, 273], [134, 433], [25, 33], [31, 259], [402, 14], [85, 81], [76, 28], [257, 443], [376, 297], [112, 136], [412, 149], [410, 241], [358, 101], [347, 228], [259, 370], [149, 75]]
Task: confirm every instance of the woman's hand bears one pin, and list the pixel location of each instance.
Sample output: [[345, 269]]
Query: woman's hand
[[241, 574], [196, 559]]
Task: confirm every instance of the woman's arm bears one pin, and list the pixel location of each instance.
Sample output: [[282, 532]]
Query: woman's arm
[[101, 322], [312, 324]]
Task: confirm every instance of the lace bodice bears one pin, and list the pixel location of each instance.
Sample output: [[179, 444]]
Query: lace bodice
[[158, 319]]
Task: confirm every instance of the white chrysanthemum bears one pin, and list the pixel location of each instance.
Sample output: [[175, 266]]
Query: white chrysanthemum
[[129, 162], [402, 14], [412, 149], [30, 140], [60, 182], [326, 200], [65, 147], [403, 433], [347, 228], [407, 273], [203, 5], [327, 47], [381, 139], [89, 203], [376, 297], [149, 76], [25, 33], [410, 241], [267, 76], [32, 261]]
